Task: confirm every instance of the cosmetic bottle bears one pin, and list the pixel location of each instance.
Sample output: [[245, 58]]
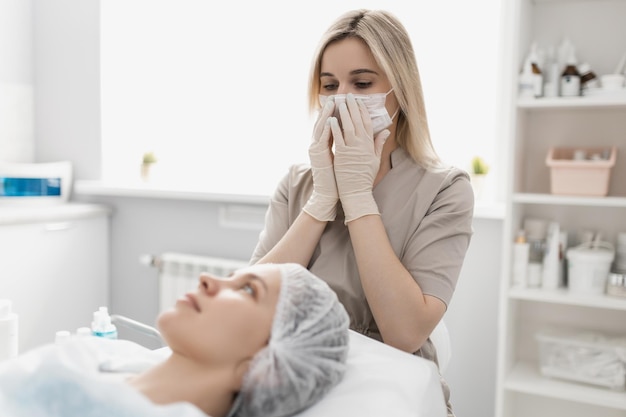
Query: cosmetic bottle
[[588, 78], [536, 237], [550, 274], [570, 77], [531, 78], [83, 332], [62, 336], [521, 250], [102, 326], [551, 75], [537, 75], [8, 330], [525, 85]]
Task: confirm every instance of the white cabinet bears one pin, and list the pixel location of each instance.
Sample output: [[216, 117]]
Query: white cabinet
[[54, 266], [597, 28]]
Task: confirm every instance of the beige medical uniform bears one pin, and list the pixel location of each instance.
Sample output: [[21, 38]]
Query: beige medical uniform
[[427, 216]]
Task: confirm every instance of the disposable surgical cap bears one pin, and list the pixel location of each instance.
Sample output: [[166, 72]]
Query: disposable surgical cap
[[307, 350]]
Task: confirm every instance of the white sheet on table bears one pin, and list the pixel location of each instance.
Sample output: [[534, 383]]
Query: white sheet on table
[[380, 381], [65, 381]]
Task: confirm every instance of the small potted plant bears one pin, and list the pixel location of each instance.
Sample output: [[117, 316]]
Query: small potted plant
[[478, 173], [149, 159]]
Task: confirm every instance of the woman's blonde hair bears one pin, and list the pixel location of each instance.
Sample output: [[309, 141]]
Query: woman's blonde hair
[[389, 42]]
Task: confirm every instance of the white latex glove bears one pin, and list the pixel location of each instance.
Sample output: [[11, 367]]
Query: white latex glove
[[357, 158], [322, 204]]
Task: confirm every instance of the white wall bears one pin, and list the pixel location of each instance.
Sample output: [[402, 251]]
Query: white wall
[[67, 127], [67, 84], [16, 81]]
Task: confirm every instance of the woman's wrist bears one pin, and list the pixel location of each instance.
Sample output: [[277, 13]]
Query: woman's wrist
[[358, 205], [322, 208]]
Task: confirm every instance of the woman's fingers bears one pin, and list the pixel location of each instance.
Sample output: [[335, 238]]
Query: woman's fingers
[[355, 119], [320, 124], [336, 130], [379, 141]]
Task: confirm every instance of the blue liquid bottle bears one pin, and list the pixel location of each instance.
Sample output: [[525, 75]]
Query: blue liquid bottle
[[101, 325]]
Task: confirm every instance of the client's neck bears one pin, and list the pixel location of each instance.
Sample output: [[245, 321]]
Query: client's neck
[[181, 380]]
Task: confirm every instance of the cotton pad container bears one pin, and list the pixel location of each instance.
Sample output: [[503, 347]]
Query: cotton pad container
[[583, 356]]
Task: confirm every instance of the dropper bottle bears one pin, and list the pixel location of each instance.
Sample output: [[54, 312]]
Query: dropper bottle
[[570, 78]]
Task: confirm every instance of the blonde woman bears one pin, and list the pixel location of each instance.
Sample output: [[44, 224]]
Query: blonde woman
[[375, 214]]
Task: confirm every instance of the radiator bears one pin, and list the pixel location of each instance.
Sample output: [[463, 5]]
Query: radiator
[[179, 272]]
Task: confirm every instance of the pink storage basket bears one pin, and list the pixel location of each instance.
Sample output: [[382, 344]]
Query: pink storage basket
[[580, 177]]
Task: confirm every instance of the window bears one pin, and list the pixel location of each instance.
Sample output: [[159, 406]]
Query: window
[[217, 90]]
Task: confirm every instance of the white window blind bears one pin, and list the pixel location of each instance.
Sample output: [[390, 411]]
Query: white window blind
[[217, 90]]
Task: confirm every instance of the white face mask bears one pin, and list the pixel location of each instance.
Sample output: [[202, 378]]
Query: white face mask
[[375, 104]]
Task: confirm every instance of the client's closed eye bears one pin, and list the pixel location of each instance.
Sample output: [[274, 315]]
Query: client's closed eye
[[249, 288]]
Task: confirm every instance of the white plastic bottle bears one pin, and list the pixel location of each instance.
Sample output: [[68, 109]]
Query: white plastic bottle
[[521, 251], [8, 330], [551, 278], [102, 326]]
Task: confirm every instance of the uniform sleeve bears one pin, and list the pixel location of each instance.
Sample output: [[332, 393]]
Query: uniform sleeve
[[276, 221], [436, 249]]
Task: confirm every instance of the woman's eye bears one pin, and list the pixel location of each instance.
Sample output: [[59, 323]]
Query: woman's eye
[[329, 87], [363, 85], [249, 289]]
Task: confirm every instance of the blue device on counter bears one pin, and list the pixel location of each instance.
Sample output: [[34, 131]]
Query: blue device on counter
[[35, 183], [29, 187]]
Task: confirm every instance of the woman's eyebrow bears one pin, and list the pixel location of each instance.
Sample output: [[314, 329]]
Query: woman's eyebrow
[[250, 275], [363, 71], [353, 72], [259, 279]]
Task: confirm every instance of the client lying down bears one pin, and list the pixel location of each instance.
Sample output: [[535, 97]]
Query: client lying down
[[269, 341]]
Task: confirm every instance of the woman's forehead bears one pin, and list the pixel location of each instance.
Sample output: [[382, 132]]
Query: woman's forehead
[[350, 53], [270, 274]]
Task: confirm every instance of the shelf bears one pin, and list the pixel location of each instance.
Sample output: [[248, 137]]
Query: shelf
[[562, 296], [525, 378], [617, 100], [530, 198]]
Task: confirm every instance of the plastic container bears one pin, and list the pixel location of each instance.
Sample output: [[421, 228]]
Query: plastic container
[[616, 285], [583, 356], [589, 265], [588, 177]]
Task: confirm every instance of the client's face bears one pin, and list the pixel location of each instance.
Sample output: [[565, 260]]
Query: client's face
[[225, 319]]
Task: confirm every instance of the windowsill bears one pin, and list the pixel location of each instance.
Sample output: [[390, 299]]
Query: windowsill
[[482, 209], [146, 190]]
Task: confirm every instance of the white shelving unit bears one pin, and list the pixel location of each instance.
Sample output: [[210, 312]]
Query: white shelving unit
[[597, 28]]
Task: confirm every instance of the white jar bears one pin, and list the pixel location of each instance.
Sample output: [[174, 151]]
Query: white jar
[[588, 267]]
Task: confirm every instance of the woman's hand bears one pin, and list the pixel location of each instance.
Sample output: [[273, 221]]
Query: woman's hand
[[357, 158], [322, 205]]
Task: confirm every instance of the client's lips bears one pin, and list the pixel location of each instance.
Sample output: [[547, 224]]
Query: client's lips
[[194, 302]]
